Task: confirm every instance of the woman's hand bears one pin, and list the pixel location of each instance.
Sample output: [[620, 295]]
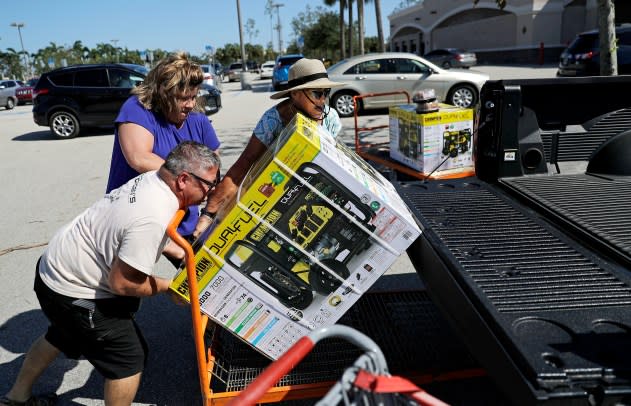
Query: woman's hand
[[222, 195], [225, 192]]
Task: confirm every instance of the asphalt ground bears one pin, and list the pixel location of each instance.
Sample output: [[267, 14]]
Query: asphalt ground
[[46, 182]]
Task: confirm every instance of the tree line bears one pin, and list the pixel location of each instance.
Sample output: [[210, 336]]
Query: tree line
[[318, 26], [326, 35]]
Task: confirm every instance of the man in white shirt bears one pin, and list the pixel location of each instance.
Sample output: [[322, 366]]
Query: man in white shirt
[[91, 277]]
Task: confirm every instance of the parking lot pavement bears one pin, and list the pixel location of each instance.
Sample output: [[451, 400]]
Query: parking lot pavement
[[46, 183]]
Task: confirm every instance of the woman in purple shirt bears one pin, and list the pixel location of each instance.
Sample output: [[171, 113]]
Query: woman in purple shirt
[[161, 113]]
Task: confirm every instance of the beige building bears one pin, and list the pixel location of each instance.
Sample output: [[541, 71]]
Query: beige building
[[524, 31]]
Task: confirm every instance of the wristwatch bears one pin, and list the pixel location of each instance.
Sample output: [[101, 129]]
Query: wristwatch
[[204, 212]]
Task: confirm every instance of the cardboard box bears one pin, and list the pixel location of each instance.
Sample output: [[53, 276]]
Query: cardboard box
[[424, 141], [312, 228]]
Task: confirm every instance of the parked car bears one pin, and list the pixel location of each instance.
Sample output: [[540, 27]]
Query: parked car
[[267, 69], [8, 98], [24, 93], [81, 96], [452, 58], [211, 77], [209, 97], [234, 71], [281, 70], [393, 71], [252, 66], [582, 56]]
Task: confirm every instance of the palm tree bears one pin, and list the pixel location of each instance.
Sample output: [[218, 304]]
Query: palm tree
[[342, 4], [381, 39], [360, 20], [350, 28], [360, 23]]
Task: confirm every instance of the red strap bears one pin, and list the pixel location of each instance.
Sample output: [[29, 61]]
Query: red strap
[[394, 384], [383, 384]]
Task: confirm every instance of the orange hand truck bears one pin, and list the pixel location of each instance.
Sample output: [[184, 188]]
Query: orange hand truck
[[370, 382]]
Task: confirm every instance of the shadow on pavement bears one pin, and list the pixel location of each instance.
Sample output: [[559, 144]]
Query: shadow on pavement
[[46, 135], [16, 336], [170, 376]]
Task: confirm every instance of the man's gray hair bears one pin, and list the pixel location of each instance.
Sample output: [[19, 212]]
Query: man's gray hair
[[191, 156]]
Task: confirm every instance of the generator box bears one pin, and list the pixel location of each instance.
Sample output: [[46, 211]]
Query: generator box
[[312, 227], [436, 142]]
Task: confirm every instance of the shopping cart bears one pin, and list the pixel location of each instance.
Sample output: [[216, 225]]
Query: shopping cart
[[366, 382]]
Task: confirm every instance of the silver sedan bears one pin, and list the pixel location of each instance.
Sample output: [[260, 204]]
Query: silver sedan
[[394, 71]]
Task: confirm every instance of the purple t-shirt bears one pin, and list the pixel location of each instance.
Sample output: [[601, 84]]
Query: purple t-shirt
[[167, 136]]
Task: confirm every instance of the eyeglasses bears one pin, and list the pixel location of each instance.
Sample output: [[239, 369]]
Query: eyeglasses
[[211, 185], [318, 94]]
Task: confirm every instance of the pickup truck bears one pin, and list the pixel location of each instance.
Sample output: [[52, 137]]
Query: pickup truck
[[530, 260]]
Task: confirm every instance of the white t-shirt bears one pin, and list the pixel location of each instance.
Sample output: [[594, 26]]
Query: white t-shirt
[[130, 222]]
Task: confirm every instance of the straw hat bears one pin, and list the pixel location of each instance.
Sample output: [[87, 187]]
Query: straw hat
[[306, 74]]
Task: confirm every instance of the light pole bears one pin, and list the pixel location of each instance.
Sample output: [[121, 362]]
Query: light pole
[[280, 36], [115, 41], [27, 63]]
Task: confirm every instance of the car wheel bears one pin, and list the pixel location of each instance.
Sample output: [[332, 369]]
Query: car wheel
[[343, 103], [64, 125], [462, 96], [10, 104], [447, 65]]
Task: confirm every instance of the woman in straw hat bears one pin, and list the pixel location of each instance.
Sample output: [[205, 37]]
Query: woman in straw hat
[[307, 92]]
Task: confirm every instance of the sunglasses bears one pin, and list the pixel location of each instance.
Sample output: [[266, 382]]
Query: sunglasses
[[318, 94], [211, 185]]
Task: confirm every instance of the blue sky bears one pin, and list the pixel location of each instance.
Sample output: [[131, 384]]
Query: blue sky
[[149, 24]]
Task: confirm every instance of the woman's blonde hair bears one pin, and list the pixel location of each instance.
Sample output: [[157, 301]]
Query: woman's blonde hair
[[169, 79]]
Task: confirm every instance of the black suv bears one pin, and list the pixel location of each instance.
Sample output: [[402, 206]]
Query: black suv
[[582, 56], [67, 99]]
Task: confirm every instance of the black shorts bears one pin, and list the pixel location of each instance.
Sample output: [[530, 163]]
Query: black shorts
[[103, 331]]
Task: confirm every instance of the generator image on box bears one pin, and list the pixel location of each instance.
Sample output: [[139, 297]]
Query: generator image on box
[[311, 228], [456, 142], [308, 217]]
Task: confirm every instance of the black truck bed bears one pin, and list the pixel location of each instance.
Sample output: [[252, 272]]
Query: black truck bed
[[531, 266]]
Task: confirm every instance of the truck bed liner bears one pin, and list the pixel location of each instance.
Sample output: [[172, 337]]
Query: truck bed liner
[[597, 208], [547, 316]]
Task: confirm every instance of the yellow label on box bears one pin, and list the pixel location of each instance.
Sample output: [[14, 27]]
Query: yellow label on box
[[260, 195], [445, 117]]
